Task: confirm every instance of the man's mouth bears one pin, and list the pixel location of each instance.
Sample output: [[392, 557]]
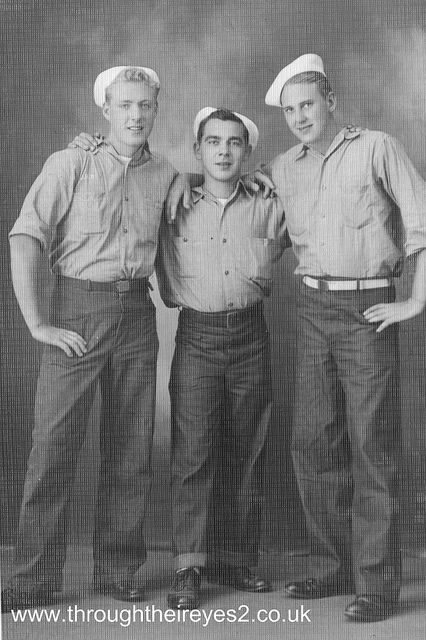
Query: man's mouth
[[135, 128], [224, 165], [304, 128]]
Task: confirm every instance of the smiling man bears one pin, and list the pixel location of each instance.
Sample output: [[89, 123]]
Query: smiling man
[[215, 263], [97, 217], [348, 196]]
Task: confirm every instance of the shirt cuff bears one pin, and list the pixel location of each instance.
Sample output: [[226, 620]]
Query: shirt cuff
[[37, 235]]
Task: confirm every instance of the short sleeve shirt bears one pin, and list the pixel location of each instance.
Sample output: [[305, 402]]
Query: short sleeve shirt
[[96, 214]]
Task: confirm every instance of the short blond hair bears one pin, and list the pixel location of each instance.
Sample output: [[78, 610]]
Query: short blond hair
[[312, 77], [133, 74]]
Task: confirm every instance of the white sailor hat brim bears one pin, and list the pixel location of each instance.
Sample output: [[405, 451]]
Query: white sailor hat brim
[[253, 131], [108, 76], [307, 62]]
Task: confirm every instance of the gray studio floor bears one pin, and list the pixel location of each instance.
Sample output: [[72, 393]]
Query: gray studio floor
[[113, 620]]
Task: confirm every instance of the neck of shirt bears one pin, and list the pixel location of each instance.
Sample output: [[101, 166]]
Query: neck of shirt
[[323, 145], [223, 201], [141, 155], [220, 189]]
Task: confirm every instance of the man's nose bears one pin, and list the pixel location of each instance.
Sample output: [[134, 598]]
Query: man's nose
[[223, 149], [300, 116], [136, 112]]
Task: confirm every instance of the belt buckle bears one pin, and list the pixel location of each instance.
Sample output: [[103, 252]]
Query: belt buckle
[[122, 286], [322, 285], [231, 314]]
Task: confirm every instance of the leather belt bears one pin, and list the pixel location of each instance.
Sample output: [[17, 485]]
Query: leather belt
[[226, 319], [347, 285], [119, 286]]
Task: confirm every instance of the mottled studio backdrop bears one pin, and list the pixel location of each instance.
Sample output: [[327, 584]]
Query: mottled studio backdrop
[[206, 53]]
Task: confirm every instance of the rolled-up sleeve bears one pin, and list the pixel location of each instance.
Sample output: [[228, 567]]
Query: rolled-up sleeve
[[49, 198], [407, 189]]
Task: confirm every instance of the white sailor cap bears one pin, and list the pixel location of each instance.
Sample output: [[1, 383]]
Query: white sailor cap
[[107, 77], [307, 62], [253, 131]]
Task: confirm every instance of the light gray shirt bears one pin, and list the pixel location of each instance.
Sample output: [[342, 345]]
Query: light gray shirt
[[219, 257], [97, 214]]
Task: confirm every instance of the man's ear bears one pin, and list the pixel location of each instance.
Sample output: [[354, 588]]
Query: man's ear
[[332, 102], [106, 110], [197, 152]]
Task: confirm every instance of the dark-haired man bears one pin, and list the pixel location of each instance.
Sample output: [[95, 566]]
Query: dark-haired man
[[215, 263], [97, 216], [347, 195]]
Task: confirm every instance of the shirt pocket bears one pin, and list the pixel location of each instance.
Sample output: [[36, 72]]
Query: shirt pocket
[[88, 214], [190, 257], [255, 258], [146, 216], [355, 201], [297, 203]]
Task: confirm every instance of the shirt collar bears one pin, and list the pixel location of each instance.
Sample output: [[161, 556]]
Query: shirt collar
[[344, 134], [199, 192], [142, 155]]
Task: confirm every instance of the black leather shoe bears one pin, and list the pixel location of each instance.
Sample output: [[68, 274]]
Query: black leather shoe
[[14, 598], [241, 578], [331, 585], [185, 590], [369, 608], [127, 592]]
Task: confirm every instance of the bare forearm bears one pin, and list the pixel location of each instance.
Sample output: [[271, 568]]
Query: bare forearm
[[387, 314], [26, 264], [418, 291]]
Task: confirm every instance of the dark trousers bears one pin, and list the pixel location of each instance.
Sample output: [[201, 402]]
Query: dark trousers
[[122, 350], [220, 389], [347, 435]]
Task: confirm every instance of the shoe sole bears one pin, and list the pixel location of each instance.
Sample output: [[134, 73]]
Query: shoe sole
[[225, 583], [353, 617], [345, 591]]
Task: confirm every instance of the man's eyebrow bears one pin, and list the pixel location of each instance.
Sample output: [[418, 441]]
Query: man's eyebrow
[[212, 137], [127, 101], [302, 102]]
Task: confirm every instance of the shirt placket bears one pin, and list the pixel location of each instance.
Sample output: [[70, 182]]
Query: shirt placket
[[227, 261], [124, 222], [321, 219]]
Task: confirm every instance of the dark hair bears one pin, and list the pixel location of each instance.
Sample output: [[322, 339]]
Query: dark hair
[[312, 77], [224, 115]]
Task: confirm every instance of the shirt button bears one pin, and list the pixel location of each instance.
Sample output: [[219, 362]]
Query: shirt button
[[224, 240], [124, 229], [227, 273], [185, 239], [324, 188], [126, 198], [231, 304]]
